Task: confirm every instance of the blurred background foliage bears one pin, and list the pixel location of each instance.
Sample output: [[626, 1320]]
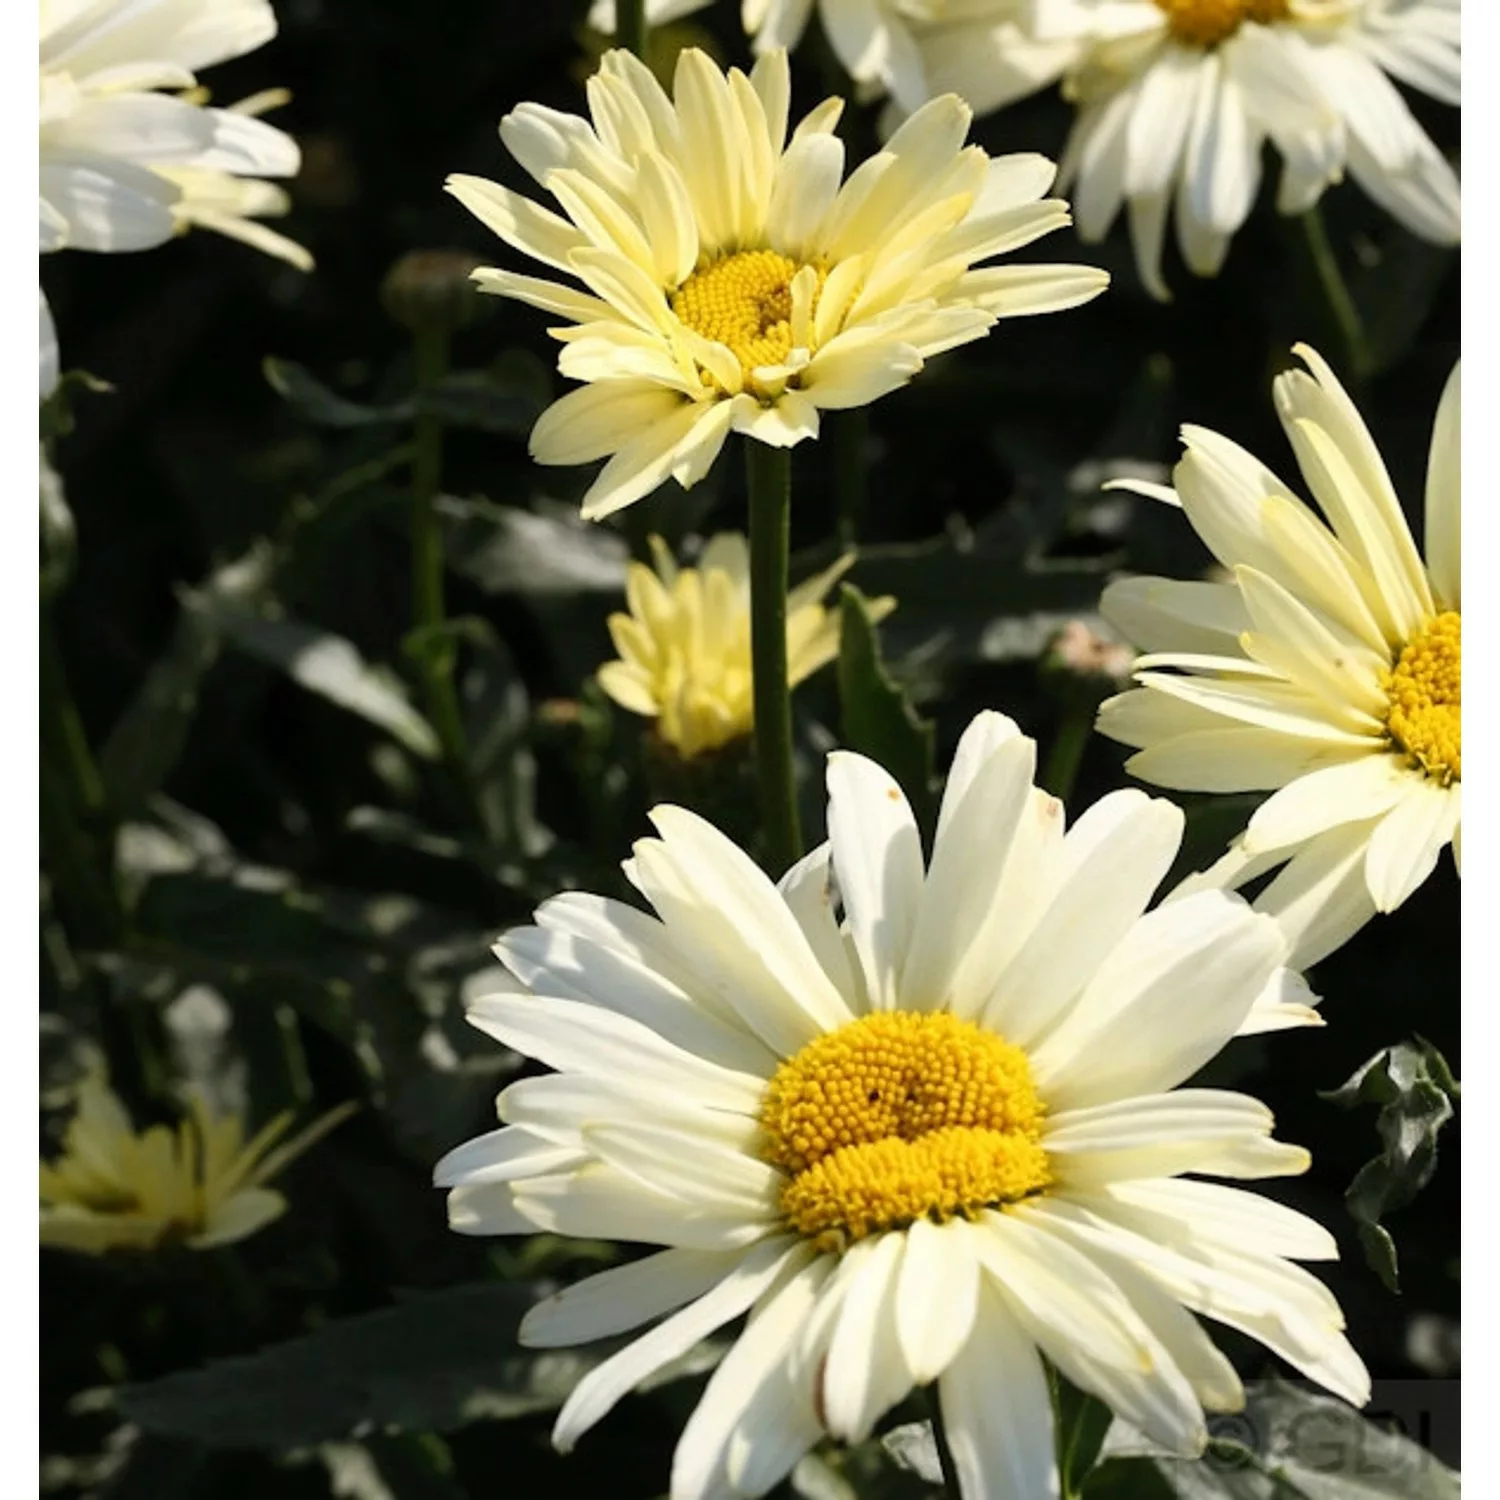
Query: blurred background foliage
[[278, 892]]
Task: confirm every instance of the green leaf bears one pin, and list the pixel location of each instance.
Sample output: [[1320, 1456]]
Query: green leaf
[[313, 400], [1291, 1442], [332, 667], [147, 738], [1416, 1093], [435, 1361], [1081, 1424], [59, 534], [545, 551], [876, 717], [505, 399]]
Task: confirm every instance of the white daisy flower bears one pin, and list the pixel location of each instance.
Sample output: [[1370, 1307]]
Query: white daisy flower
[[125, 166], [1329, 670], [927, 1130], [873, 39], [1177, 98], [733, 281]]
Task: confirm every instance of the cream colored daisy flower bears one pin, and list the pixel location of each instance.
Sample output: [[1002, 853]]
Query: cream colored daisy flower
[[200, 1185], [1328, 671], [685, 645], [927, 1129], [732, 280], [1177, 98], [125, 166]]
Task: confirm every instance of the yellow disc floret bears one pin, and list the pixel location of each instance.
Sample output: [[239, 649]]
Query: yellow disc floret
[[1206, 23], [1425, 692], [744, 301], [898, 1117]]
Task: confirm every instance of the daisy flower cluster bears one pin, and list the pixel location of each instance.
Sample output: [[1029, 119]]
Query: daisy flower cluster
[[924, 1109]]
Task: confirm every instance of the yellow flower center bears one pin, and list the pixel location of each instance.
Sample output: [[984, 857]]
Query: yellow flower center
[[898, 1117], [1425, 692], [1206, 23], [744, 301]]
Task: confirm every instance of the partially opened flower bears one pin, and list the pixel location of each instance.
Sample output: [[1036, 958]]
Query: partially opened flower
[[731, 281], [1177, 99], [685, 645], [921, 1120], [201, 1185], [124, 165], [1328, 670]]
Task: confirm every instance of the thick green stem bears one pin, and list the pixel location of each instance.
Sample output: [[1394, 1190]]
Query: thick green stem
[[630, 26], [1066, 751], [1335, 294], [940, 1439], [768, 472], [429, 609]]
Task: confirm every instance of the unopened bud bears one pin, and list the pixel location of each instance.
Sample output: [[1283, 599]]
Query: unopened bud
[[431, 290]]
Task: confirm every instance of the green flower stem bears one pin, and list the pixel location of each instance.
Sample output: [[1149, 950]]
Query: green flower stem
[[630, 26], [429, 609], [1335, 293], [940, 1439], [1066, 751], [768, 473]]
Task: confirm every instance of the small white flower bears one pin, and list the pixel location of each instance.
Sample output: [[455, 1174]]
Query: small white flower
[[1177, 99], [125, 166], [1329, 670], [734, 281], [927, 1129]]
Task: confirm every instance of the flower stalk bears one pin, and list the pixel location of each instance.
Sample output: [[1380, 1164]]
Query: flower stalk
[[429, 606], [768, 474], [630, 26], [1338, 301], [940, 1441]]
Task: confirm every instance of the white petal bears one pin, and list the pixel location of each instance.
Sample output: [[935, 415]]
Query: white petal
[[1352, 792], [1321, 899], [1111, 861], [937, 1295], [877, 855], [758, 1353], [600, 1202], [500, 1156], [1086, 1326], [998, 1411], [604, 1385], [1149, 1135], [735, 893], [1168, 997], [684, 1165], [684, 444], [1405, 845], [575, 968], [624, 1297], [571, 1036], [807, 889], [968, 859], [1211, 1376], [1444, 530], [866, 1374]]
